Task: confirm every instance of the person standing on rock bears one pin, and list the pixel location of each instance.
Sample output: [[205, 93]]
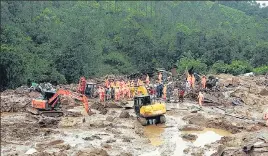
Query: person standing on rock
[[103, 94], [200, 99], [203, 82], [266, 116], [193, 82], [117, 94], [112, 93], [160, 77], [168, 92], [112, 84], [165, 92], [181, 95], [100, 93], [147, 80], [175, 94], [128, 91]]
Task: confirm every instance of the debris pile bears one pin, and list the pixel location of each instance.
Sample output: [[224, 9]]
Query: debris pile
[[17, 100]]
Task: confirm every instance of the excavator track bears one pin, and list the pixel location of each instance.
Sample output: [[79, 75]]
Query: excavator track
[[44, 113]]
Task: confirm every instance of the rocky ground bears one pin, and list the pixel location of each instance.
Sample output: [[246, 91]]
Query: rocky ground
[[218, 128]]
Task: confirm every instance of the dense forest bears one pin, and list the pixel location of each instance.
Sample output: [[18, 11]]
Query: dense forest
[[58, 41]]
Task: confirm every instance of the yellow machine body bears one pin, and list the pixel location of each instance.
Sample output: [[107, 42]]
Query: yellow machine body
[[153, 110]]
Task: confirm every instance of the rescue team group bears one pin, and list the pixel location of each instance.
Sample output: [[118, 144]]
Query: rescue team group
[[119, 90]]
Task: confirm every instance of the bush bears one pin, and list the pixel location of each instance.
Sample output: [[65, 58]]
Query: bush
[[261, 70], [219, 67], [186, 63], [239, 67]]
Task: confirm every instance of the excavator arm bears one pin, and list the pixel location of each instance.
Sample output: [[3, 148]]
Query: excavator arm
[[53, 100]]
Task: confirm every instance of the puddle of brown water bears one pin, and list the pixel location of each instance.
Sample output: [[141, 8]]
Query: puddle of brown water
[[208, 135], [153, 133]]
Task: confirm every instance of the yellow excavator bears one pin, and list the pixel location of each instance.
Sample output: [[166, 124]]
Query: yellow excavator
[[147, 111]]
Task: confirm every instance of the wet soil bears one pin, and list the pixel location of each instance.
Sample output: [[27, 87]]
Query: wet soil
[[218, 128]]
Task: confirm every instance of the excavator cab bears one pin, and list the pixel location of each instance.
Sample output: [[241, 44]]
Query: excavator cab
[[140, 101], [90, 89], [148, 112], [48, 94]]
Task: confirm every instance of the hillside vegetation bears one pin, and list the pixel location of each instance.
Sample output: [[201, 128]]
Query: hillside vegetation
[[60, 41]]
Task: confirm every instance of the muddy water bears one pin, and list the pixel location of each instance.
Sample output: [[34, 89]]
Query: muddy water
[[153, 133], [169, 142], [208, 135]]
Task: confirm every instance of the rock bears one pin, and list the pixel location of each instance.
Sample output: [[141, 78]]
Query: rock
[[126, 140], [100, 107], [93, 152], [123, 102], [88, 138], [186, 150], [106, 145], [197, 119], [31, 151], [124, 114], [55, 142], [125, 154], [63, 146], [113, 130], [113, 105], [68, 122], [93, 137], [104, 111], [191, 127], [48, 122], [110, 141], [190, 137], [110, 118], [139, 132], [97, 123], [264, 92]]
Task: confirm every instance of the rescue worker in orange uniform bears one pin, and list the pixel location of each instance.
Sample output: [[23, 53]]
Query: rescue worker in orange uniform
[[117, 94], [107, 83], [203, 82], [193, 82], [127, 91], [200, 98], [99, 91], [103, 94], [123, 93], [160, 77], [147, 80], [122, 83], [189, 79]]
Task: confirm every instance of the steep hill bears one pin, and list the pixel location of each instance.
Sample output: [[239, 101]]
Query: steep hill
[[60, 41]]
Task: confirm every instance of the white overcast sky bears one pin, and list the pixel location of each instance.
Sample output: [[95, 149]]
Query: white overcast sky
[[266, 2]]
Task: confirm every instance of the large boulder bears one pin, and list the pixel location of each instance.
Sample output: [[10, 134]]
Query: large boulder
[[124, 114], [191, 127]]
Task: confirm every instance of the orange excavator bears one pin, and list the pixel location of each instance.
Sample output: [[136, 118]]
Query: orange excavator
[[49, 104]]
